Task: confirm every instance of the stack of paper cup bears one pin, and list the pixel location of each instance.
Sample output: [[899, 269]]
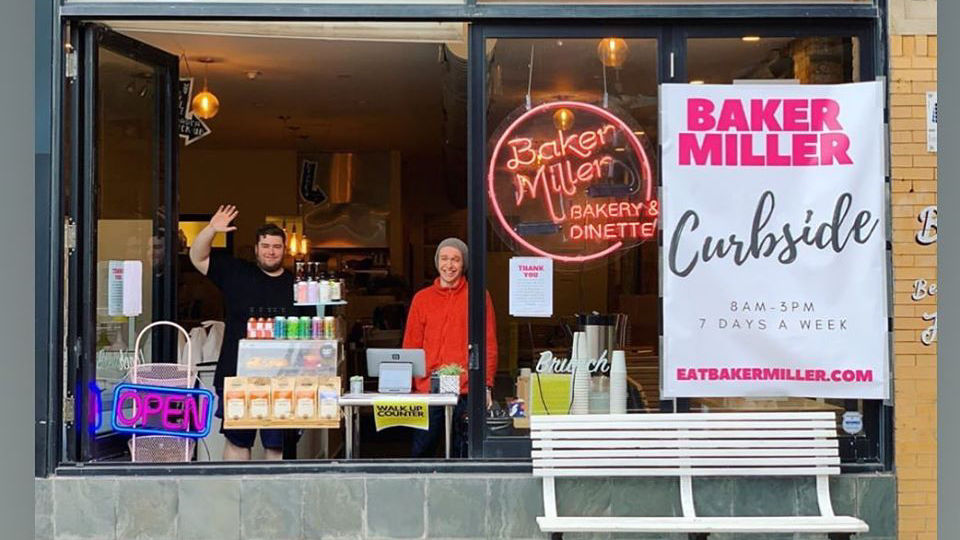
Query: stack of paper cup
[[580, 387], [618, 383]]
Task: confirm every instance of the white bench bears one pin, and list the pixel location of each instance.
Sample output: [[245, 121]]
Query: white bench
[[685, 445]]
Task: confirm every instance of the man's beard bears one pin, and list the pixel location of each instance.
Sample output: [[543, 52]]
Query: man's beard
[[266, 268]]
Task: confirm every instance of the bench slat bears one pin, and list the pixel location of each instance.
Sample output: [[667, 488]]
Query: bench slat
[[541, 420], [692, 424], [786, 524], [692, 452], [675, 443], [706, 471], [682, 434], [593, 461]]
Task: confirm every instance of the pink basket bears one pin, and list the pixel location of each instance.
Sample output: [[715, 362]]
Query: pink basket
[[162, 448]]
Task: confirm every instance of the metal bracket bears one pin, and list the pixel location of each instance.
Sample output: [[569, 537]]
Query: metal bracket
[[70, 236], [69, 411], [474, 357]]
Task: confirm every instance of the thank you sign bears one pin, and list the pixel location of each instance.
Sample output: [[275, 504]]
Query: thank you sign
[[774, 274]]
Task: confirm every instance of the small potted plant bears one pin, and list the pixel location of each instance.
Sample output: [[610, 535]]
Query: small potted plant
[[449, 378]]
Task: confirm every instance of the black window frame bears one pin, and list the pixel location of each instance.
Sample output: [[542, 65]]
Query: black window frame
[[675, 23]]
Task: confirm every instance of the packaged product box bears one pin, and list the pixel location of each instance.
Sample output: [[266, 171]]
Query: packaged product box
[[281, 397], [235, 398], [258, 398], [328, 397], [305, 398]]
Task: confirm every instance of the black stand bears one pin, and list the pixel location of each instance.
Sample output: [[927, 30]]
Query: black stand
[[289, 444]]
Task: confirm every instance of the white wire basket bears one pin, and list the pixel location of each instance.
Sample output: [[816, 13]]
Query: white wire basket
[[162, 448]]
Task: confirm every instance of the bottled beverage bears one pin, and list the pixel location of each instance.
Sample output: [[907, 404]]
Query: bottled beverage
[[313, 289], [336, 288], [268, 325], [324, 289], [261, 326], [252, 326]]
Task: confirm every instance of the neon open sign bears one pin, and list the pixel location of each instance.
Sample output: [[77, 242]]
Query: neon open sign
[[571, 193], [159, 410]]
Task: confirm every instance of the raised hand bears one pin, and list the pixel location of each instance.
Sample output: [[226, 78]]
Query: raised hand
[[220, 222]]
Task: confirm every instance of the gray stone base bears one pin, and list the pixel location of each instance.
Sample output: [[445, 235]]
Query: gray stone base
[[427, 507]]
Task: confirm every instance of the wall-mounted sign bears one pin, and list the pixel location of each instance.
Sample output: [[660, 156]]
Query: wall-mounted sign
[[774, 256], [852, 422], [191, 128], [548, 363], [571, 181], [932, 121], [160, 410], [928, 226]]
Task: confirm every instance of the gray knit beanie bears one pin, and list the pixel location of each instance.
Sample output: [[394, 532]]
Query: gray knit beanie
[[455, 243]]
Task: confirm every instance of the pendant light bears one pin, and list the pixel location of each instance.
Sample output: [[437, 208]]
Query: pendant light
[[613, 52], [205, 104], [563, 119], [294, 243]]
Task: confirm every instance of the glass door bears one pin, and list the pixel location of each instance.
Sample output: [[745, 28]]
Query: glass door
[[564, 205], [125, 208]]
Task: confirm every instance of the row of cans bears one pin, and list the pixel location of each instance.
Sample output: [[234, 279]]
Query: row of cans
[[304, 328]]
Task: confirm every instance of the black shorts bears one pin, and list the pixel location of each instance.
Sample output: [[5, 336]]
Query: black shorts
[[271, 439]]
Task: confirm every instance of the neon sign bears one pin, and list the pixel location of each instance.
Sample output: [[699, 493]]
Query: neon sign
[[160, 410], [573, 195]]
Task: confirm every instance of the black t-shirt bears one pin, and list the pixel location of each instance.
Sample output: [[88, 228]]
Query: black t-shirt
[[245, 286]]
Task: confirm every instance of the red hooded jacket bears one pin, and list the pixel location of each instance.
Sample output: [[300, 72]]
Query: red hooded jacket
[[437, 323]]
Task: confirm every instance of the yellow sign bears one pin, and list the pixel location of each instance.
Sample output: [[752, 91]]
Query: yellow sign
[[387, 414]]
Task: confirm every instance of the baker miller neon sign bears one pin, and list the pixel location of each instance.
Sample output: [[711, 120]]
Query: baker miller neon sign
[[587, 191]]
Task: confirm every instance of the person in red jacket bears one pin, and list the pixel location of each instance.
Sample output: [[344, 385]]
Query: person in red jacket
[[437, 323]]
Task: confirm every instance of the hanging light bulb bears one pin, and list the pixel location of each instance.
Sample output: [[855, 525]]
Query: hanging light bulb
[[293, 243], [304, 245], [563, 119], [613, 52], [205, 104]]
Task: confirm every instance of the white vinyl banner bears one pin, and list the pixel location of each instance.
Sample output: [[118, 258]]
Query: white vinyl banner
[[774, 258]]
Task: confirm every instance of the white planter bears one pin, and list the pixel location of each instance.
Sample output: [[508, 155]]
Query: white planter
[[449, 384]]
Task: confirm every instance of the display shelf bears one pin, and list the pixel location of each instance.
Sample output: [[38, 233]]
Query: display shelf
[[321, 304], [281, 424]]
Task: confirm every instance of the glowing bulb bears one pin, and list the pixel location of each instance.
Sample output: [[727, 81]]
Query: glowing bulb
[[303, 244], [293, 244], [205, 105], [696, 82], [613, 52], [563, 119], [750, 38]]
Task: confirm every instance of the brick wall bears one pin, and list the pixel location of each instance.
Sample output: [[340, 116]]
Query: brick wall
[[913, 61]]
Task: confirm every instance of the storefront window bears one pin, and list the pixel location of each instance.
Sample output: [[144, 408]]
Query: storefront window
[[572, 211]]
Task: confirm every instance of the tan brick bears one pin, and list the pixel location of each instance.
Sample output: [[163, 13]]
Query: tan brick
[[925, 62], [928, 160], [905, 336], [912, 173], [907, 99], [913, 74], [901, 186], [926, 186], [896, 45], [901, 136], [917, 198], [911, 148], [908, 45], [920, 45], [932, 46], [901, 62], [908, 124], [922, 87], [913, 247], [919, 111], [925, 260], [920, 136], [912, 344], [901, 112], [902, 211]]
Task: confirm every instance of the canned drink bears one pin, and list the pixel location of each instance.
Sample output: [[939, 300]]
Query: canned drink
[[293, 328], [279, 327], [304, 327], [356, 384], [329, 327], [316, 328]]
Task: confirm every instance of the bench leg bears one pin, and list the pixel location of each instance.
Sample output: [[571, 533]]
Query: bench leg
[[839, 536], [701, 536], [556, 536]]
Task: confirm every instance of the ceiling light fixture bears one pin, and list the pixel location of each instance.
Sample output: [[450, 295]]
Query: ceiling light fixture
[[563, 119], [205, 104], [750, 38], [613, 52], [696, 82]]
